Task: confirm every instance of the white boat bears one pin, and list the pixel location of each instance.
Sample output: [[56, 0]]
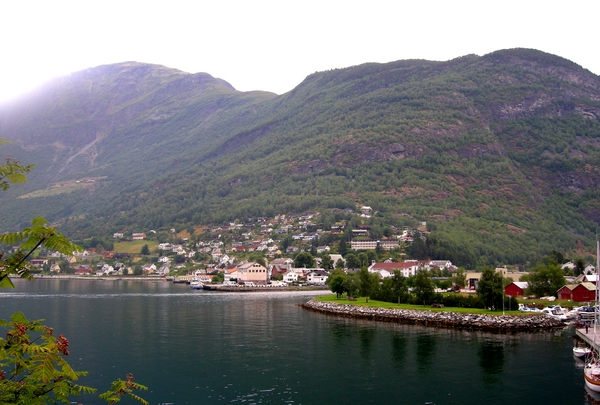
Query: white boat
[[591, 371], [555, 311], [524, 308], [581, 351], [196, 285]]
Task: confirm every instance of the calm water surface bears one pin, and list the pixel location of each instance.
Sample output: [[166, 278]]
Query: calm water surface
[[197, 347]]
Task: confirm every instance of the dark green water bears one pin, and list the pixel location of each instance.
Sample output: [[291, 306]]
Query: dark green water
[[196, 347]]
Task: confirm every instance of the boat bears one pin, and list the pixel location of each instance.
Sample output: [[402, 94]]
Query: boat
[[555, 311], [591, 371], [581, 351], [196, 285], [525, 308]]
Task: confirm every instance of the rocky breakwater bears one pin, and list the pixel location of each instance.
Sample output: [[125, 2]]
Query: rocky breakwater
[[444, 319]]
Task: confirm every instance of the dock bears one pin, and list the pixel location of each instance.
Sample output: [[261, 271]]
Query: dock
[[591, 339]]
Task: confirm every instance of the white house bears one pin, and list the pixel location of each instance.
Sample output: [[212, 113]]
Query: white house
[[318, 277], [290, 276], [407, 268]]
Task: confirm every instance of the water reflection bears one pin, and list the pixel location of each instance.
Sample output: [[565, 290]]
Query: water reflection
[[399, 344], [426, 344], [200, 347], [366, 336], [592, 397], [491, 360]]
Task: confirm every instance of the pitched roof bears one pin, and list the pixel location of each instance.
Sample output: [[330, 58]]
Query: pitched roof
[[589, 286], [521, 284], [393, 266]]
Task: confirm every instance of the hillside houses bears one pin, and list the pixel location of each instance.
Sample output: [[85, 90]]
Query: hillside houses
[[232, 249], [407, 268]]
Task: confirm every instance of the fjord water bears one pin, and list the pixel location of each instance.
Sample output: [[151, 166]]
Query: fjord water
[[198, 347]]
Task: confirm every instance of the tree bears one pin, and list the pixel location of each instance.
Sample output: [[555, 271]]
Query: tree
[[352, 261], [393, 289], [335, 281], [579, 266], [137, 270], [120, 388], [363, 258], [399, 287], [36, 372], [418, 249], [460, 277], [145, 250], [32, 365], [343, 247], [490, 289], [304, 259], [12, 172], [28, 240], [326, 262], [424, 288], [545, 279], [368, 282], [557, 256], [351, 285]]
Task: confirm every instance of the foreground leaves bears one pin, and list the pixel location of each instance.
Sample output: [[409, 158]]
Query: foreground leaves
[[28, 240], [120, 388], [32, 365]]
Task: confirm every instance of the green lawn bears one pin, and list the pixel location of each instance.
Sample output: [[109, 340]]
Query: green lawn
[[134, 246], [380, 304]]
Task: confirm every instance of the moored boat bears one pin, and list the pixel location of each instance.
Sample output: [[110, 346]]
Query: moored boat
[[196, 285], [581, 351], [591, 371]]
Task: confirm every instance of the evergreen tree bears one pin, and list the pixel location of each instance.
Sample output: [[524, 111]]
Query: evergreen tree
[[424, 289], [418, 249], [490, 289], [343, 247]]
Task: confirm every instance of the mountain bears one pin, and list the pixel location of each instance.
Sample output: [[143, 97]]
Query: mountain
[[499, 153]]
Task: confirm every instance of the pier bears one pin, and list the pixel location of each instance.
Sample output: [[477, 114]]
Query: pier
[[590, 338]]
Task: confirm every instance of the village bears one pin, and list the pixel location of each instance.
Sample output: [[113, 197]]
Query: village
[[285, 251]]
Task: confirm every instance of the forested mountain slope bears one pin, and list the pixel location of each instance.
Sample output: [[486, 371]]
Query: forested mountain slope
[[500, 154]]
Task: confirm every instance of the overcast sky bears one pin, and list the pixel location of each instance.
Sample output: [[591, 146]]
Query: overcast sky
[[274, 45]]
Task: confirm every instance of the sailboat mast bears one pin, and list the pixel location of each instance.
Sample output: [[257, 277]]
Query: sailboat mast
[[596, 309]]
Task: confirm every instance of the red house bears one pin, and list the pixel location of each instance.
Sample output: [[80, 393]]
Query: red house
[[83, 269], [584, 292], [566, 292], [516, 288]]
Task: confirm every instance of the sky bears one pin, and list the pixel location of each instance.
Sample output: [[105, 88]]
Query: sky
[[273, 45]]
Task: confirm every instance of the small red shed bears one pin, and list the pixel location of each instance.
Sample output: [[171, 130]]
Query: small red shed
[[566, 292], [584, 292], [516, 288]]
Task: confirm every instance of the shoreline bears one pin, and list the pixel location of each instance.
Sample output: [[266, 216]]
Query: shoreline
[[440, 319], [211, 287]]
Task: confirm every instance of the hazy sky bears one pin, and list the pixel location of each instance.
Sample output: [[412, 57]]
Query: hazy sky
[[274, 45]]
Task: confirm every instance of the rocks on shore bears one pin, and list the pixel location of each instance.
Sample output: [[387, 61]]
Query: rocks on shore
[[491, 323]]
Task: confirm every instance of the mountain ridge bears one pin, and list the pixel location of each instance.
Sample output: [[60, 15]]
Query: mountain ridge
[[508, 141]]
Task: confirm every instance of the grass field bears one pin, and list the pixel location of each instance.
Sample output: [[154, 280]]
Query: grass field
[[381, 304], [134, 246]]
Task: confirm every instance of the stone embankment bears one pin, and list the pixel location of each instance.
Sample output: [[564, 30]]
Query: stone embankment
[[444, 319]]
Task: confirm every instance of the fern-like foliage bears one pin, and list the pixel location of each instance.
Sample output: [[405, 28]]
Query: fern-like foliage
[[33, 369], [29, 239], [12, 172], [120, 388]]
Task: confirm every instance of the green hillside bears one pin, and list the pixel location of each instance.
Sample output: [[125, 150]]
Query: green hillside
[[499, 154]]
